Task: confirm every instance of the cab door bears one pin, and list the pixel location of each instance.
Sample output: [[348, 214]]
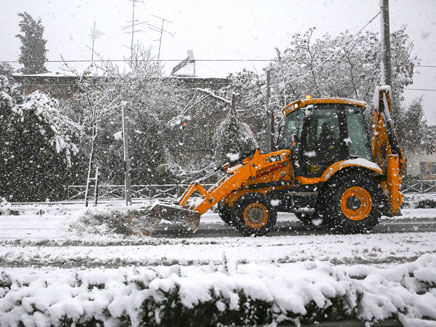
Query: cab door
[[323, 138]]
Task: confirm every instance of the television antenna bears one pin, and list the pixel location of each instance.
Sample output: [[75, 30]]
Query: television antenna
[[132, 27], [160, 30]]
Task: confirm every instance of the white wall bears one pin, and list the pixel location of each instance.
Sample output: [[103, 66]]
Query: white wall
[[413, 162]]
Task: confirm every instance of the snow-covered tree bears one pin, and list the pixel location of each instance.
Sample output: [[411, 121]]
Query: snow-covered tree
[[413, 131], [232, 139], [6, 69], [343, 66], [37, 145], [33, 50], [251, 102], [150, 101]]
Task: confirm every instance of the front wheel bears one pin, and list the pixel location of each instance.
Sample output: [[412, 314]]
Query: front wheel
[[252, 214], [225, 213], [352, 203]]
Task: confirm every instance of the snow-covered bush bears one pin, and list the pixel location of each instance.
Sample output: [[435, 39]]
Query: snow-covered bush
[[37, 144], [246, 295]]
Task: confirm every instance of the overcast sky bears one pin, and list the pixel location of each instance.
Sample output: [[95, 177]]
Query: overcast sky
[[220, 29]]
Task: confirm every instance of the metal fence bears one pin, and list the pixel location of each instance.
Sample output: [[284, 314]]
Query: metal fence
[[168, 191], [150, 191], [419, 186]]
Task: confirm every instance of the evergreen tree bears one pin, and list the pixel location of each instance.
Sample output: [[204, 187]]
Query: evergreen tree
[[36, 146], [33, 51]]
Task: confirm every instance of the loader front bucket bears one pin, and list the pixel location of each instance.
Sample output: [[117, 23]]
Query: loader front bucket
[[176, 214]]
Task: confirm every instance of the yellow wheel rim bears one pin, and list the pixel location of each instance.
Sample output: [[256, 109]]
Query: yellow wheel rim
[[255, 215], [356, 203]]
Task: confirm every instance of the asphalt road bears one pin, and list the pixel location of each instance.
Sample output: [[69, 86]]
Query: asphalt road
[[294, 229]]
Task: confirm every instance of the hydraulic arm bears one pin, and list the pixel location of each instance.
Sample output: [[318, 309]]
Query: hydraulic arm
[[386, 149], [253, 167]]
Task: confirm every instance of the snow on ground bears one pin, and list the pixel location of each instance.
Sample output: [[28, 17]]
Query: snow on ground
[[39, 249]]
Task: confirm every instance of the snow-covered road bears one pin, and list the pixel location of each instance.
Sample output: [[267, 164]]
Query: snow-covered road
[[41, 236]]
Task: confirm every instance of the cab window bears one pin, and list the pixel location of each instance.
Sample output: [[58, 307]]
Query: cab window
[[292, 129], [358, 142]]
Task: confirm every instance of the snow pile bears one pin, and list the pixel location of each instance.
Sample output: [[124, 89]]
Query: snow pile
[[6, 208], [100, 222], [419, 200], [231, 293], [109, 221]]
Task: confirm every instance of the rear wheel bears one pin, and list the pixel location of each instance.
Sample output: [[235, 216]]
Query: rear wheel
[[252, 214], [225, 213], [353, 203]]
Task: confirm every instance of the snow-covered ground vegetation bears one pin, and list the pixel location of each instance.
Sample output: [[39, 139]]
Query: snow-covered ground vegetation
[[62, 265]]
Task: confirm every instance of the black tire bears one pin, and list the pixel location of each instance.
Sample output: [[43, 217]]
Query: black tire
[[352, 203], [225, 213], [253, 214]]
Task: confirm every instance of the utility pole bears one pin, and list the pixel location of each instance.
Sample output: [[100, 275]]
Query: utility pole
[[270, 113], [92, 50], [132, 33], [127, 184], [269, 121], [386, 78], [89, 179], [95, 33]]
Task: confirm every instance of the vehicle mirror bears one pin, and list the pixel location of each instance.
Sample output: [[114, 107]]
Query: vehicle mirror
[[308, 110]]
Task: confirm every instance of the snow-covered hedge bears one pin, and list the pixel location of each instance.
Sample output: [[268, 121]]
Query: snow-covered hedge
[[231, 294]]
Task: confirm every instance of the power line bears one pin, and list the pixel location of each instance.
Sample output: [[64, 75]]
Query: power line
[[167, 60], [425, 90], [153, 60]]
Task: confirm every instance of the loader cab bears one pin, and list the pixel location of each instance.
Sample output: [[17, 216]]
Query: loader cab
[[320, 132]]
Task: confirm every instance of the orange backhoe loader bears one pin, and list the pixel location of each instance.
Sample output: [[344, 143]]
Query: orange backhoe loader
[[328, 172]]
